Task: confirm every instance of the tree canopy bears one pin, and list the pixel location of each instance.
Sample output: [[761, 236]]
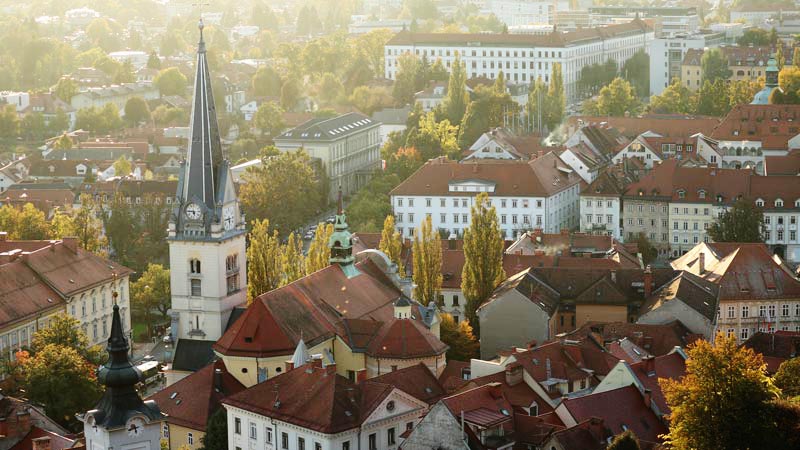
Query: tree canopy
[[462, 343], [427, 255], [743, 222]]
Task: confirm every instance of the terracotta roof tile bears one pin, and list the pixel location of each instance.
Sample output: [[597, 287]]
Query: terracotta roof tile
[[776, 347], [417, 381], [520, 395], [662, 124], [756, 122], [405, 339], [671, 366], [655, 339]]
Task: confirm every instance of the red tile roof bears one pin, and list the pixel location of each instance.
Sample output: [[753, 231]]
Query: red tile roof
[[486, 402], [193, 400], [669, 181], [566, 361], [775, 347], [782, 165], [56, 441], [620, 409], [313, 397], [533, 430], [417, 381], [649, 371], [405, 339], [452, 377], [591, 434], [655, 339], [663, 124], [23, 295], [756, 122], [520, 395]]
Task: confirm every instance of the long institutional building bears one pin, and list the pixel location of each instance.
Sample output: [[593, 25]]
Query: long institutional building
[[524, 57]]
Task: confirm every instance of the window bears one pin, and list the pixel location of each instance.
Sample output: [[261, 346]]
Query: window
[[744, 333], [455, 300], [346, 445], [762, 311], [441, 202], [785, 310], [399, 202], [301, 444], [427, 202], [411, 202], [285, 441], [317, 446], [745, 312], [731, 312], [731, 332], [373, 441], [190, 438], [165, 431], [237, 425], [194, 266], [253, 432], [390, 439], [196, 292], [268, 435]]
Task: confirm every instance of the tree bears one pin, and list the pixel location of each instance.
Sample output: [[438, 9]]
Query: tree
[[744, 222], [266, 82], [458, 336], [555, 100], [122, 228], [9, 122], [646, 249], [171, 81], [637, 71], [26, 223], [624, 441], [66, 89], [405, 80], [165, 116], [99, 121], [331, 89], [722, 401], [438, 72], [32, 126], [65, 331], [216, 436], [63, 381], [427, 254], [616, 99], [264, 262], [285, 179], [370, 206], [58, 124], [536, 105], [153, 61], [136, 111], [122, 167], [100, 34], [796, 57], [675, 99], [319, 250], [269, 119], [712, 98], [483, 257], [83, 223], [714, 65], [124, 73], [455, 103], [308, 21], [432, 138], [758, 37], [779, 58], [63, 143], [294, 266], [151, 292], [741, 92], [392, 244], [369, 99], [290, 94], [788, 378]]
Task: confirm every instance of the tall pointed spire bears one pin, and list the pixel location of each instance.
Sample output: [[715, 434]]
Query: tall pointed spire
[[204, 153], [341, 242], [119, 376]]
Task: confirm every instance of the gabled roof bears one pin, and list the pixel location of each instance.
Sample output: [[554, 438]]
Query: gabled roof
[[520, 395], [485, 405], [55, 441], [405, 339], [655, 339], [313, 397], [662, 124], [565, 361], [775, 347], [328, 129], [417, 381], [590, 434], [193, 400], [671, 366], [620, 409], [192, 354], [693, 291], [604, 185], [23, 295], [757, 122]]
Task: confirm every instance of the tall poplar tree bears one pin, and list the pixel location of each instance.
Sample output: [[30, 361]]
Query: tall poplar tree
[[427, 274], [457, 98], [536, 105], [556, 101], [319, 252], [392, 244], [483, 257], [264, 262], [294, 265]]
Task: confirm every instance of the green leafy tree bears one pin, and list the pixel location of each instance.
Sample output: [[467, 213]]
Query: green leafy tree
[[65, 331], [637, 71], [171, 81], [369, 99], [405, 81], [266, 82], [284, 179], [124, 73], [165, 116], [741, 92], [100, 34], [66, 89], [713, 99], [99, 120], [743, 222], [63, 143], [32, 126], [432, 138], [438, 72], [243, 149], [624, 441], [136, 111], [536, 105], [722, 401], [26, 223], [675, 99], [264, 262], [371, 204], [122, 228], [462, 343], [796, 57], [122, 167], [485, 112], [153, 61], [58, 124], [63, 381], [269, 119], [779, 58], [555, 100], [758, 37], [308, 21], [392, 244], [616, 99], [714, 65], [319, 251], [455, 103], [483, 257], [293, 262], [331, 89], [427, 254], [788, 378], [290, 94], [646, 249], [404, 162], [216, 436], [151, 292], [9, 122], [81, 222]]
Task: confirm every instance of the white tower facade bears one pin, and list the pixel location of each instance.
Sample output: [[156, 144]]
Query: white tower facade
[[207, 229]]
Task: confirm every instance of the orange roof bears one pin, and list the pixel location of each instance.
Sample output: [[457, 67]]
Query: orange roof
[[405, 339], [773, 125]]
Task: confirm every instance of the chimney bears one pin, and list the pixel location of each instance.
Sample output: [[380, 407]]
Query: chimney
[[541, 153], [451, 242], [71, 243], [648, 281], [648, 398], [289, 365], [649, 365], [548, 368], [3, 236], [330, 369], [565, 231], [218, 380], [316, 361], [361, 375], [531, 345], [3, 428], [513, 374], [23, 423], [701, 263], [42, 443]]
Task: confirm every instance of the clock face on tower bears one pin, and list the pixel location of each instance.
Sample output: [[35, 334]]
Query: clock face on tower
[[194, 212], [135, 426], [227, 218]]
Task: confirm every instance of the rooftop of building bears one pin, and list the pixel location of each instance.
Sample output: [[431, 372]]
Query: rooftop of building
[[328, 129]]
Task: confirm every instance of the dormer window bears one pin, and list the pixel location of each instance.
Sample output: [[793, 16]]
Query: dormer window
[[701, 193], [779, 203], [797, 203], [681, 193], [760, 203]]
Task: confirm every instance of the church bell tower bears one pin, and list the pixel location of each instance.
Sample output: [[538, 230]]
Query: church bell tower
[[206, 228]]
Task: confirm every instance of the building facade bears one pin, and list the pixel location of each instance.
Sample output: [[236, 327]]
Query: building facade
[[667, 55], [523, 57], [347, 147]]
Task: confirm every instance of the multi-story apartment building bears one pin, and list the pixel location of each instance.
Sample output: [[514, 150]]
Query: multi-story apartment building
[[542, 193], [745, 64], [779, 199], [348, 148], [667, 55], [98, 97], [645, 210], [757, 293], [601, 206], [526, 12], [669, 21], [524, 57]]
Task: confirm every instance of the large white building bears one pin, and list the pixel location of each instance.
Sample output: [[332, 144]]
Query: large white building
[[525, 12], [666, 56], [669, 21], [347, 147], [538, 194], [524, 57]]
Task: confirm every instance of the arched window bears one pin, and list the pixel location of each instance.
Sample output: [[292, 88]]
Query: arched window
[[194, 266]]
